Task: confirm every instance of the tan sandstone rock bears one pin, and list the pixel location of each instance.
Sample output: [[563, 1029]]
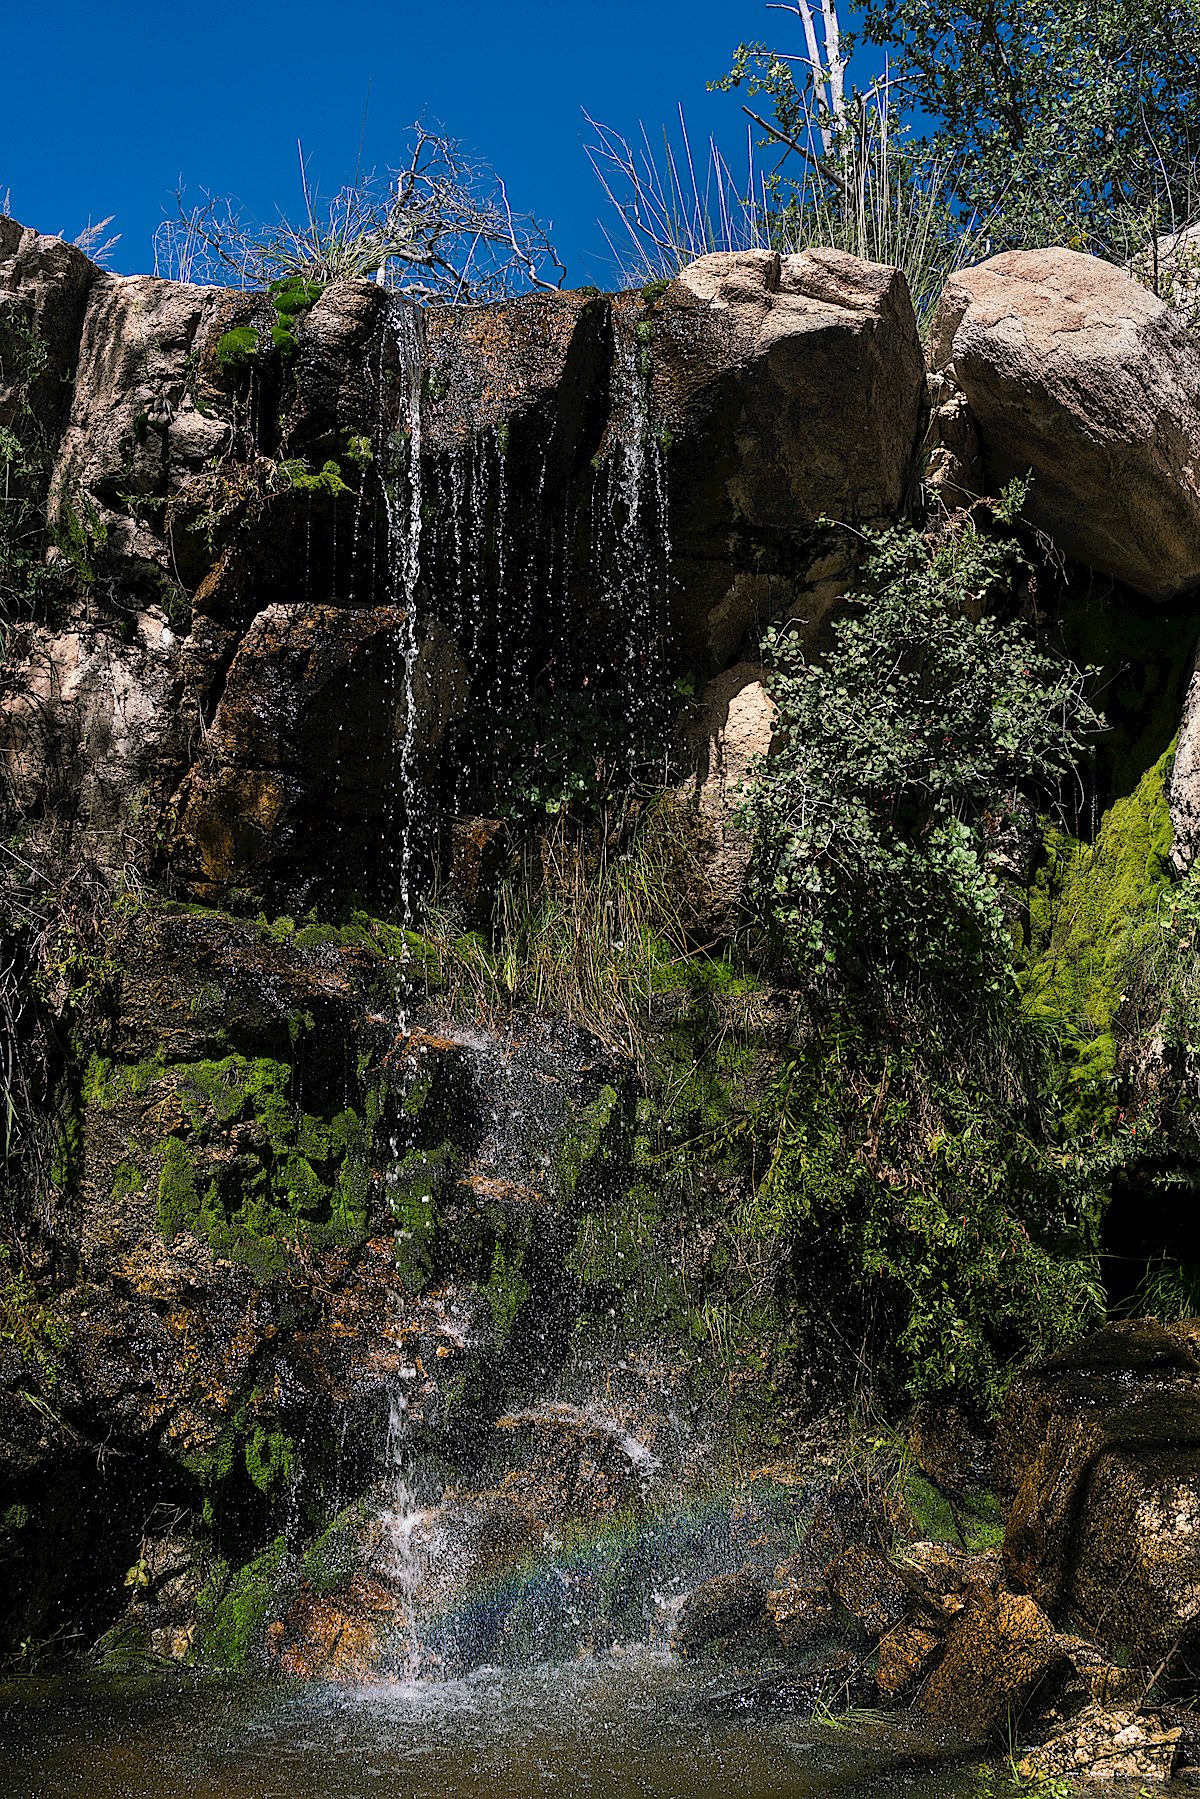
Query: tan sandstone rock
[[1101, 1745], [747, 350], [1076, 372], [730, 729]]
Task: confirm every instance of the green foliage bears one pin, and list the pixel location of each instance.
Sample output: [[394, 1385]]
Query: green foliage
[[326, 482], [507, 1288], [855, 184], [1063, 121], [940, 1204], [899, 760], [1009, 126]]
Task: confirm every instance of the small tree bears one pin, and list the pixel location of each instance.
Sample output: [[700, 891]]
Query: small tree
[[1069, 121], [1050, 121]]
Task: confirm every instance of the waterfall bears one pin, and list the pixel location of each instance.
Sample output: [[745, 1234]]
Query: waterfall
[[402, 490], [487, 542]]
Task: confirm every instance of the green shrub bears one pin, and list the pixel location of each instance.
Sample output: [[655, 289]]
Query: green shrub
[[899, 760]]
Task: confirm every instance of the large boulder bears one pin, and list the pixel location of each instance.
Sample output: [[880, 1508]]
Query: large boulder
[[1076, 373], [793, 390], [1102, 1447], [999, 1651]]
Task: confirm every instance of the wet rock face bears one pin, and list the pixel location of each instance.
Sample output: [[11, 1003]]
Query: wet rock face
[[1103, 1449], [303, 759], [1074, 371]]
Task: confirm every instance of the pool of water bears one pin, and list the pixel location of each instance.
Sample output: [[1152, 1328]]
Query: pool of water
[[609, 1731]]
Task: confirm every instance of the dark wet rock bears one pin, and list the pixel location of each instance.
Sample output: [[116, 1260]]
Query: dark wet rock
[[336, 371], [335, 1637], [949, 1448], [869, 1587], [906, 1656], [727, 1613], [1102, 1446], [945, 1575], [302, 759], [803, 1613], [535, 369]]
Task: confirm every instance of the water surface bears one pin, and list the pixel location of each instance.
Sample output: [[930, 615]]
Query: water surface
[[614, 1730]]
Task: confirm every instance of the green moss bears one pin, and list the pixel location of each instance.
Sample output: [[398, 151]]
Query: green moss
[[507, 1289], [1088, 906], [233, 1638], [981, 1522], [236, 349], [931, 1511], [178, 1195], [293, 294], [653, 291], [269, 1456], [581, 1144], [295, 1175], [284, 339], [127, 1180], [332, 1558]]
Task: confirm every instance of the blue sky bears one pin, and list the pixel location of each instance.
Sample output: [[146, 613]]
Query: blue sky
[[107, 108]]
